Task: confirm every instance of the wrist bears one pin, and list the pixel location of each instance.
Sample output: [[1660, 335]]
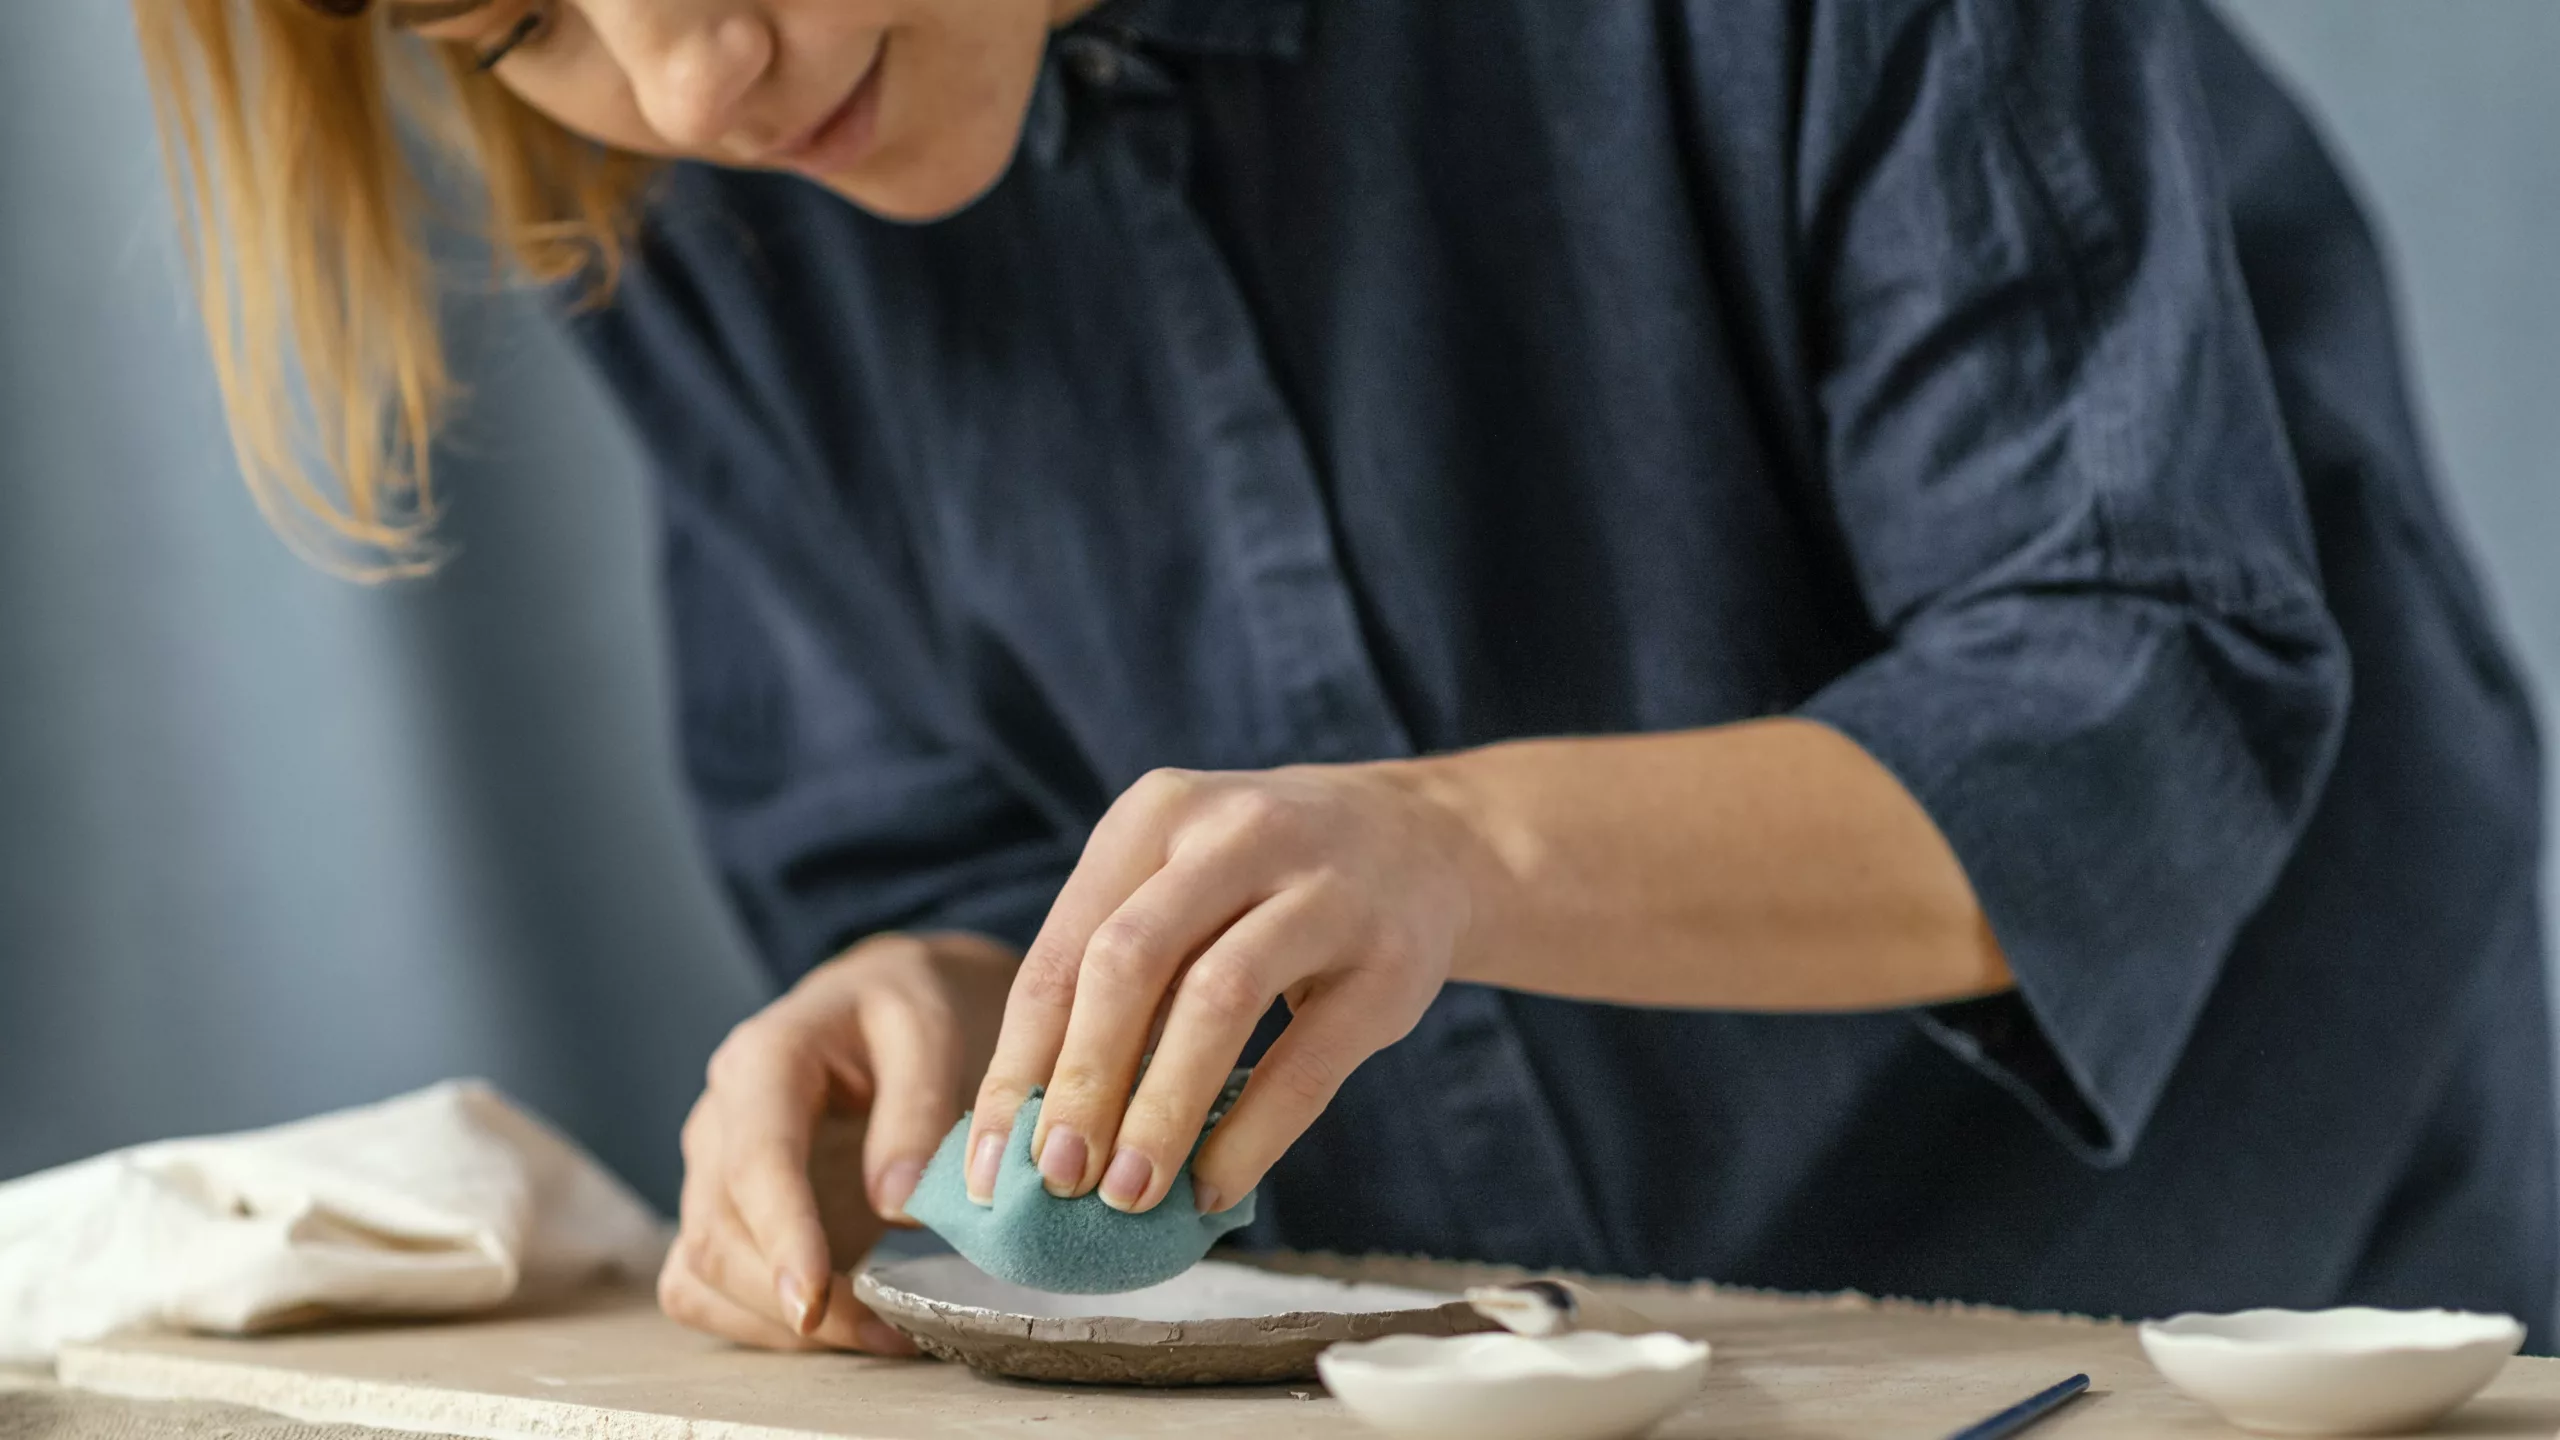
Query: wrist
[[1481, 840]]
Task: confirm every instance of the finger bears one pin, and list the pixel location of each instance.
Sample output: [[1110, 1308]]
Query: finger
[[851, 1325], [914, 1045], [691, 1301], [702, 1209], [836, 1179], [1299, 1075], [1126, 848], [721, 1254], [1129, 967], [1215, 1009], [720, 1259], [694, 1302], [697, 1202], [771, 1093], [718, 1255]]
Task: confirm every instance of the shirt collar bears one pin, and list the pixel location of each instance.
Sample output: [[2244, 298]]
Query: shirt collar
[[1208, 27]]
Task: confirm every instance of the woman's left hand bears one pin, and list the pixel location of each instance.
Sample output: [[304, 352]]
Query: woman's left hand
[[1348, 889]]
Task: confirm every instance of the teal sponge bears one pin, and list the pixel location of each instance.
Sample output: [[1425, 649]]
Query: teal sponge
[[1072, 1247]]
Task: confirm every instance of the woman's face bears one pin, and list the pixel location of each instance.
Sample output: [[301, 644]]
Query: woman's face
[[909, 108]]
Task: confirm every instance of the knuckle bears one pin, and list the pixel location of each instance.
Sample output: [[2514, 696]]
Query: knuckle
[[892, 953], [1154, 1128], [1259, 813], [1165, 785], [675, 1298], [1332, 890], [1229, 994], [1389, 953], [925, 1016], [726, 1057], [683, 1282], [710, 1265], [1074, 1090], [1274, 829], [998, 1094], [1122, 949], [722, 1265], [928, 1010], [1047, 977], [1305, 1075], [692, 1252], [747, 1041]]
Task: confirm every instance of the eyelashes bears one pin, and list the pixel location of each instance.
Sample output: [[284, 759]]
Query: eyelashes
[[526, 29]]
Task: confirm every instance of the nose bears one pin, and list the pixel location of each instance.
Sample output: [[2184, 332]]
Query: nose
[[691, 73]]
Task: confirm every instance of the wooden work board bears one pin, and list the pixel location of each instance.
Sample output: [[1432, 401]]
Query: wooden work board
[[612, 1368]]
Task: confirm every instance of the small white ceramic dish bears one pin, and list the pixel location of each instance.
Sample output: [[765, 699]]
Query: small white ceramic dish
[[1583, 1386], [2355, 1371]]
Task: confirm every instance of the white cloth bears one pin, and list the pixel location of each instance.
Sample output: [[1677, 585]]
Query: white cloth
[[450, 1199]]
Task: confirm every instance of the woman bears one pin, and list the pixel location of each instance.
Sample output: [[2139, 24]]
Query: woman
[[1808, 639]]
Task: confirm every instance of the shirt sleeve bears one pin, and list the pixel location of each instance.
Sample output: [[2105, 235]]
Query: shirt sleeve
[[2059, 472], [830, 816]]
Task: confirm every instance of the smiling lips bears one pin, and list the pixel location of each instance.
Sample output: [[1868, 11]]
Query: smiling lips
[[838, 142]]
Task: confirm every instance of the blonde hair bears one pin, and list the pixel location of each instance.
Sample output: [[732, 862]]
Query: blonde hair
[[292, 139]]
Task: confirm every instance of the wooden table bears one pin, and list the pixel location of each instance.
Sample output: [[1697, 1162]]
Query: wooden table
[[1785, 1368]]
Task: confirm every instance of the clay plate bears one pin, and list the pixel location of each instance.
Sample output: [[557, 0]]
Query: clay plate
[[1216, 1324]]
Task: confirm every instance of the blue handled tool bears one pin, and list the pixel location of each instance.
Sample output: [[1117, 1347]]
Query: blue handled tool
[[2025, 1413]]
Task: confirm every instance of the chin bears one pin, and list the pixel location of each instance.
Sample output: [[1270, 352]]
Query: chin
[[914, 185]]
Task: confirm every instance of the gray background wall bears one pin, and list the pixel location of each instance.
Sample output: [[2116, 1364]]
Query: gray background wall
[[270, 844]]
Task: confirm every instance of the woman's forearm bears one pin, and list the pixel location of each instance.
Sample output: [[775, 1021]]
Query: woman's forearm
[[1770, 865]]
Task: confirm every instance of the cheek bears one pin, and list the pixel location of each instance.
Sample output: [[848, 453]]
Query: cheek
[[953, 104], [597, 107]]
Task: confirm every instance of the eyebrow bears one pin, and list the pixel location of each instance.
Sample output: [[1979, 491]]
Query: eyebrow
[[415, 14]]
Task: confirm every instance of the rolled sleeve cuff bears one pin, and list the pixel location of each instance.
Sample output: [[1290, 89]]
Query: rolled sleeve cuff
[[2122, 778]]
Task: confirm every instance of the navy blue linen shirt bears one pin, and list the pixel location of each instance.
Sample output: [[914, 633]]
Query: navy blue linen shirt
[[2009, 384]]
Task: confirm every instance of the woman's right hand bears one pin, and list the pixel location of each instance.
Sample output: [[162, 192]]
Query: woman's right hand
[[818, 1116]]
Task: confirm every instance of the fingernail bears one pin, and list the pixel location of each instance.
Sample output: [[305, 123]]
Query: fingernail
[[897, 1184], [1126, 1182], [1206, 1197], [981, 1169], [795, 1294], [879, 1339], [1062, 1161], [984, 1162]]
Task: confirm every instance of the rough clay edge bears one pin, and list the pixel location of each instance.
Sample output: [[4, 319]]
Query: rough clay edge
[[1125, 1330]]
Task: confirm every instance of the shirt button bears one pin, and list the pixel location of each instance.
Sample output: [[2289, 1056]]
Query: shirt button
[[1094, 61]]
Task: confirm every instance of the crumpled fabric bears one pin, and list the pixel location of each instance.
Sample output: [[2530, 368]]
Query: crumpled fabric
[[447, 1200]]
